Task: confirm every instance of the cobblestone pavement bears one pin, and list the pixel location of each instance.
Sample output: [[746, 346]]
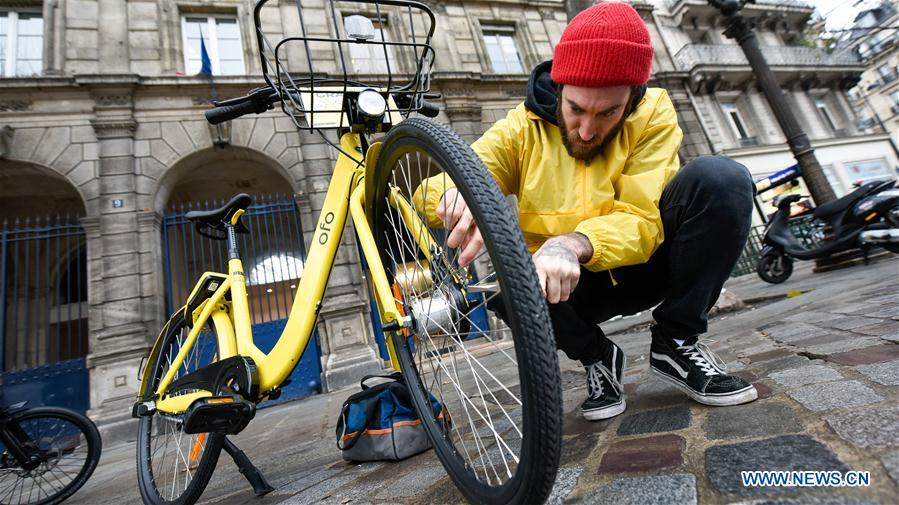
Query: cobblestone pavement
[[825, 361]]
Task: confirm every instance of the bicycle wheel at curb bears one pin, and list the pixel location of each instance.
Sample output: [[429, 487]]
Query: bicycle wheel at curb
[[174, 467], [69, 445], [499, 432]]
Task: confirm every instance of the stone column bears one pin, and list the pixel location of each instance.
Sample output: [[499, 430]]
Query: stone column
[[118, 331], [152, 273], [113, 36]]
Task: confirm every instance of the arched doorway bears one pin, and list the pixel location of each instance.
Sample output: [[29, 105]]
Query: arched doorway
[[43, 289], [273, 251]]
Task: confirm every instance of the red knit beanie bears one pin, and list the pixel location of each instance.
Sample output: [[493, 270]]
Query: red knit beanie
[[606, 44]]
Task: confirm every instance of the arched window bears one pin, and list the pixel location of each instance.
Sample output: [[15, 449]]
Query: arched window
[[275, 268]]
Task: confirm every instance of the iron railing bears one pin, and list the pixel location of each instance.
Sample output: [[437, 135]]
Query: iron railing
[[793, 4], [695, 55], [44, 312], [805, 228], [43, 292], [272, 253]]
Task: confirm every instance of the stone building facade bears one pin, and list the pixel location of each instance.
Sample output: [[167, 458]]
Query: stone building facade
[[875, 40], [101, 116], [735, 116]]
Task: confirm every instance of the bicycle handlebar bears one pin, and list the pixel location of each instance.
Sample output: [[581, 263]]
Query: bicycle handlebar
[[429, 109], [257, 101], [260, 100]]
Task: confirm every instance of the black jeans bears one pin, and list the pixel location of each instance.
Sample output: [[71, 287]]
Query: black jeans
[[706, 211]]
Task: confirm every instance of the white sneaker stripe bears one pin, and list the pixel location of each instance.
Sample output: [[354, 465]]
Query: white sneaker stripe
[[679, 369]]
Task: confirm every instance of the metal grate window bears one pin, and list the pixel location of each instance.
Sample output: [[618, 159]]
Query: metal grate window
[[273, 254], [43, 292]]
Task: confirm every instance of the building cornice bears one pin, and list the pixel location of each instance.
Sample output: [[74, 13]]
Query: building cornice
[[816, 144]]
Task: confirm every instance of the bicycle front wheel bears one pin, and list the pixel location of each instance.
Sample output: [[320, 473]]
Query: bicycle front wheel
[[66, 446], [174, 467], [497, 429]]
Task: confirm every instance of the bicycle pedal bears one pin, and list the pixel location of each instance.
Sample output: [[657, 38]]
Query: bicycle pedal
[[228, 415]]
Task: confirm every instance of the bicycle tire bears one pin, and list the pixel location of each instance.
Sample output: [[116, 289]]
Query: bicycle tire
[[212, 445], [91, 436], [526, 313]]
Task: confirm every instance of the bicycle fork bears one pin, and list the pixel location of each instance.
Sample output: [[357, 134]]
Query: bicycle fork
[[18, 443]]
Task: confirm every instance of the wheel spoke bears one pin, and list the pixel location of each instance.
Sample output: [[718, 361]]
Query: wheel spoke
[[484, 423], [168, 449]]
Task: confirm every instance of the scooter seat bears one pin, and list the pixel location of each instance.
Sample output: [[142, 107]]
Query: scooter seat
[[841, 204]]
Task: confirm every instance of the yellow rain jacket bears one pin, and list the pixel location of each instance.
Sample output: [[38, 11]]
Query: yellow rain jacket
[[613, 199]]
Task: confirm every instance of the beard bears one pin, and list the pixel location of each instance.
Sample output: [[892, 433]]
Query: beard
[[585, 151]]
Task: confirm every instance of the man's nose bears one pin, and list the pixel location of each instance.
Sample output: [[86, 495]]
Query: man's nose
[[587, 130]]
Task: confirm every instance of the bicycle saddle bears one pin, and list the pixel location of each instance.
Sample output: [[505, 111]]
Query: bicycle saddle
[[217, 218]]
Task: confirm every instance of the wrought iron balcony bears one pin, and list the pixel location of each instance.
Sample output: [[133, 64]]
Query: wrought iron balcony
[[865, 123], [696, 55], [672, 5], [877, 48]]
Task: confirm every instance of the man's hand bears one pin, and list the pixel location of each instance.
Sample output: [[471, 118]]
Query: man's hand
[[463, 231], [558, 264]]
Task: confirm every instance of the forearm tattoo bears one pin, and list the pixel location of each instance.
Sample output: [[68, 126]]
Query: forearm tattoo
[[557, 250]]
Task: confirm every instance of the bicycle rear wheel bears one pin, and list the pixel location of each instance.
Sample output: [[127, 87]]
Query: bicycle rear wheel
[[499, 432], [67, 445], [173, 467]]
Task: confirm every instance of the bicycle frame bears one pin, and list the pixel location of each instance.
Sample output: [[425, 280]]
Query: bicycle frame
[[345, 196]]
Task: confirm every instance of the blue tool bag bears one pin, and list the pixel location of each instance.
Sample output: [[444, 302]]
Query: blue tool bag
[[379, 423]]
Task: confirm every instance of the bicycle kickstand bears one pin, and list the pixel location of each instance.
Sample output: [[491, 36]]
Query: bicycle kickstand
[[247, 469]]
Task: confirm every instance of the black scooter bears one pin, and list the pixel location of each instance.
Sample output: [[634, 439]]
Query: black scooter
[[867, 217]]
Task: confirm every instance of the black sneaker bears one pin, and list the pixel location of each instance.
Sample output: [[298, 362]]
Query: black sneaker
[[605, 394], [696, 370]]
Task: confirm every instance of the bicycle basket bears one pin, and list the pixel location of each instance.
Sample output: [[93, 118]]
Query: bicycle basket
[[341, 48]]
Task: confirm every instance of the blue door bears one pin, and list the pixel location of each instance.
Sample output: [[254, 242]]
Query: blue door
[[273, 255]]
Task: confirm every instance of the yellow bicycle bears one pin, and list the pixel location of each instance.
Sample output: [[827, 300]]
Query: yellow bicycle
[[500, 388]]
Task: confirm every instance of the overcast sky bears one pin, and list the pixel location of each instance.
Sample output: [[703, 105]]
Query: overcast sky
[[839, 13]]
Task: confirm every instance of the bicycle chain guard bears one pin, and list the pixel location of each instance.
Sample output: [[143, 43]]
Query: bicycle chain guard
[[234, 382], [236, 374]]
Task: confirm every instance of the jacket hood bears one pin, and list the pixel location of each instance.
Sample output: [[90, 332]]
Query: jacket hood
[[541, 99]]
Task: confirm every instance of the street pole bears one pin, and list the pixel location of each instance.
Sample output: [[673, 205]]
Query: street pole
[[740, 29]]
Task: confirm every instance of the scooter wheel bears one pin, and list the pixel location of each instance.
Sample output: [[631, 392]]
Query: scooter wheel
[[893, 248], [775, 268]]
